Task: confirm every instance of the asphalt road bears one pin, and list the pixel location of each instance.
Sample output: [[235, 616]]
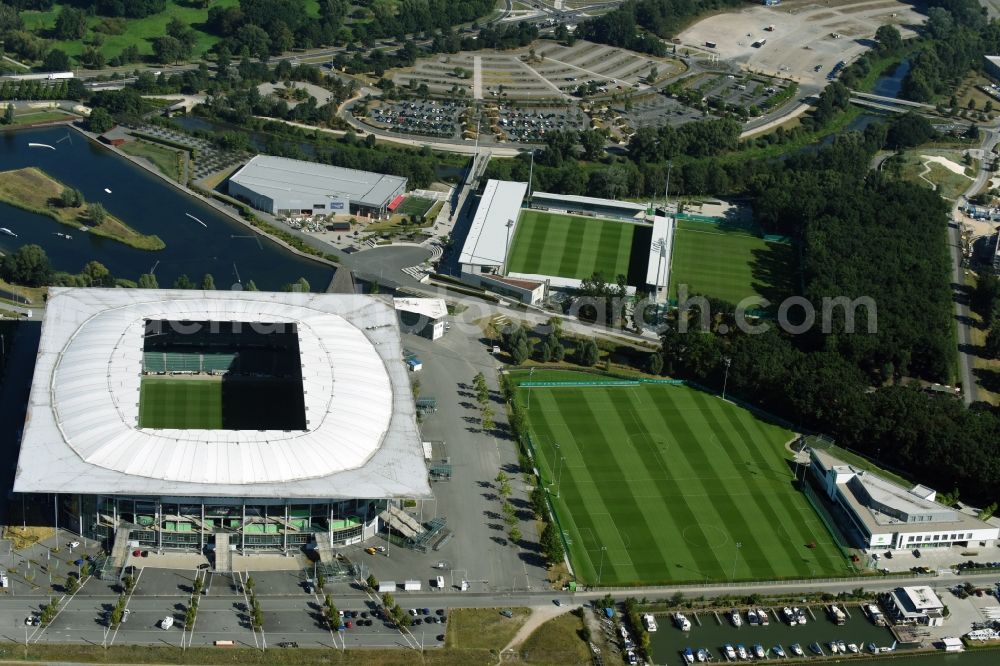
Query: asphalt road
[[963, 319]]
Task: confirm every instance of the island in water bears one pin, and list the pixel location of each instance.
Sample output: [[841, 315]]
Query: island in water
[[34, 190]]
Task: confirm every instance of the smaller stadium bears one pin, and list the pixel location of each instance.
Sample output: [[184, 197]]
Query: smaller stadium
[[560, 240], [655, 482], [522, 244]]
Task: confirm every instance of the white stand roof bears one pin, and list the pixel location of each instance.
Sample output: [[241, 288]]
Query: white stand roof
[[82, 436]]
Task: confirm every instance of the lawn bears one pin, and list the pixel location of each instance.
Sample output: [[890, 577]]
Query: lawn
[[571, 246], [40, 117], [415, 206], [185, 404], [167, 160], [483, 628], [728, 263], [663, 484]]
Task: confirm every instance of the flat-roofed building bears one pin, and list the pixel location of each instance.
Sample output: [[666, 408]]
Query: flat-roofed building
[[917, 604], [283, 186], [877, 513]]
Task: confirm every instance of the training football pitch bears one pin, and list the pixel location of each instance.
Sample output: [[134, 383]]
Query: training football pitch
[[662, 484], [730, 264], [570, 246], [183, 404]]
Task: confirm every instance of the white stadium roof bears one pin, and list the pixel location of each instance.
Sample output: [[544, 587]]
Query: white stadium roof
[[81, 434], [486, 244]]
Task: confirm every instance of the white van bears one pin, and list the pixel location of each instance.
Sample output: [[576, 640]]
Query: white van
[[440, 582], [166, 622]]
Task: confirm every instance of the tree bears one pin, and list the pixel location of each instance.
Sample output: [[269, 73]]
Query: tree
[[552, 545], [29, 265], [505, 490], [888, 38], [208, 282], [372, 582], [593, 144], [487, 419], [148, 281], [482, 390], [587, 353], [72, 585], [250, 582], [71, 197], [992, 347], [71, 24], [654, 364], [8, 115], [252, 286], [168, 49], [96, 214], [501, 477], [56, 60], [519, 352], [96, 274], [514, 534], [100, 121], [183, 282]]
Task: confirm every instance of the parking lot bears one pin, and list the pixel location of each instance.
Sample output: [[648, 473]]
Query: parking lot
[[426, 118], [655, 110], [531, 125]]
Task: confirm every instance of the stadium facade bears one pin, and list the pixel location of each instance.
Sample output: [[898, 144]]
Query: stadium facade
[[283, 186], [247, 475]]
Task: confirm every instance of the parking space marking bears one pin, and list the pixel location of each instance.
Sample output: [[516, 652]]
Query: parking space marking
[[541, 78], [135, 586]]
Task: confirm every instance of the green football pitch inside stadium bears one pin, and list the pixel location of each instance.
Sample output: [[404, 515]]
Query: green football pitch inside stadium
[[571, 246], [183, 404], [730, 264], [663, 484]]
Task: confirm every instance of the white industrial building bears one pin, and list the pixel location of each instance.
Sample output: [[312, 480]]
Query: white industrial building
[[879, 514], [327, 483], [283, 186], [426, 317], [917, 604]]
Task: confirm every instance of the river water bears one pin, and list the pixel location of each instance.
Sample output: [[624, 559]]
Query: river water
[[669, 642], [223, 247]]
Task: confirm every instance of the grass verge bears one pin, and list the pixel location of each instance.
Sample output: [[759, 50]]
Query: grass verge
[[483, 628], [556, 642], [168, 161]]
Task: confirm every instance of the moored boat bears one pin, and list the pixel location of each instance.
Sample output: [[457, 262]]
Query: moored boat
[[730, 652], [702, 655], [741, 652], [797, 650], [778, 650], [752, 618], [762, 616], [650, 622], [789, 616], [800, 615], [837, 616], [688, 655], [682, 622], [842, 647], [816, 649], [734, 617], [853, 648], [758, 651]]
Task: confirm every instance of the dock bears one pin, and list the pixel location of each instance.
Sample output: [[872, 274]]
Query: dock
[[697, 620], [813, 615], [717, 618]]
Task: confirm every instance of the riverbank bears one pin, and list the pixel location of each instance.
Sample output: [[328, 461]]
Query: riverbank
[[33, 190]]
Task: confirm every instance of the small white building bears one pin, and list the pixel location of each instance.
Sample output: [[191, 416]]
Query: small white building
[[422, 316], [876, 513], [915, 605]]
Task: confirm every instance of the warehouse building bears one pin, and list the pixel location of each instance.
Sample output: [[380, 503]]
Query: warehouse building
[[283, 186], [122, 438], [879, 514]]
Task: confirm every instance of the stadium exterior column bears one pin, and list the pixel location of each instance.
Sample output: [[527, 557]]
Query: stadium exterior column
[[201, 530], [79, 513], [243, 528], [159, 525], [329, 524], [284, 530]]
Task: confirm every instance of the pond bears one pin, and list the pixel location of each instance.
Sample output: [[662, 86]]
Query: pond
[[221, 246], [889, 85]]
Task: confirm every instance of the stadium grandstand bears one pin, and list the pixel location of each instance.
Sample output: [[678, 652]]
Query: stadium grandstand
[[220, 420], [519, 239]]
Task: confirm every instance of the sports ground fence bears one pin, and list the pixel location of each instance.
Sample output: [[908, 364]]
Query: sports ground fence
[[812, 438]]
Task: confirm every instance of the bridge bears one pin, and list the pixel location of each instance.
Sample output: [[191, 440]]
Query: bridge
[[890, 104]]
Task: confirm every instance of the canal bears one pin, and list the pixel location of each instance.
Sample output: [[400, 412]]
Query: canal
[[223, 247], [668, 642]]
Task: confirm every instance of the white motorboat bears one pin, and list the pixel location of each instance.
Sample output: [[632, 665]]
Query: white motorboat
[[7, 232], [790, 617], [853, 648], [650, 622], [734, 617], [752, 618], [730, 652], [758, 651], [800, 615], [108, 190], [762, 616], [682, 622], [742, 653], [797, 650]]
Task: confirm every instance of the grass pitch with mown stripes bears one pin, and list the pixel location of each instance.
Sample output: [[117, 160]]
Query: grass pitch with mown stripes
[[667, 480], [730, 264], [184, 404], [570, 246]]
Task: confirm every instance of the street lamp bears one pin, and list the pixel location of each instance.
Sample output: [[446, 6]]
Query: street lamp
[[725, 379], [506, 254], [736, 555], [600, 570]]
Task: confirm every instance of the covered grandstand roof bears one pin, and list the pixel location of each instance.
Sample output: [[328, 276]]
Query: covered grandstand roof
[[81, 434], [279, 177], [590, 201], [486, 244]]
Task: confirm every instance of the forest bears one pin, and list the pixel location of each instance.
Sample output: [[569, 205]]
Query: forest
[[657, 18]]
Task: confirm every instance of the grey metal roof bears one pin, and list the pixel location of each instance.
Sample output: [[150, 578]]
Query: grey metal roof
[[82, 435], [280, 177]]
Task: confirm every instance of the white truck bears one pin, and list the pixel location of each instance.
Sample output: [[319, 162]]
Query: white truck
[[411, 585]]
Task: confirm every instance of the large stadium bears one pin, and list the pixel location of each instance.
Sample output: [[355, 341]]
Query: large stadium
[[228, 420]]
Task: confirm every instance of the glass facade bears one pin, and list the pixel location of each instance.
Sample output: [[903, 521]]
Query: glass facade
[[168, 523]]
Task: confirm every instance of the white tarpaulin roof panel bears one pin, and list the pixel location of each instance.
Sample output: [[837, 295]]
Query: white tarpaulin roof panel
[[82, 432]]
